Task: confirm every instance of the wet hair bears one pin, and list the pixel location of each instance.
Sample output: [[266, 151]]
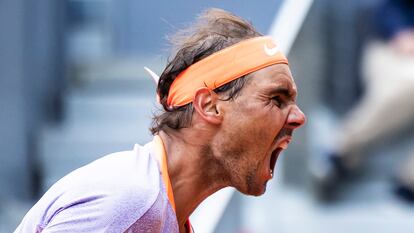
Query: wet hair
[[214, 30]]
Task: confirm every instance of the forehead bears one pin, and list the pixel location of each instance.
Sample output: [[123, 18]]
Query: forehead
[[272, 76]]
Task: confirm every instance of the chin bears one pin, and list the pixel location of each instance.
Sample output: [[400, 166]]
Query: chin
[[260, 191], [256, 190]]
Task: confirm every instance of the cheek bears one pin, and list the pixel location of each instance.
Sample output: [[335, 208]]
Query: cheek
[[269, 123], [277, 124], [253, 126]]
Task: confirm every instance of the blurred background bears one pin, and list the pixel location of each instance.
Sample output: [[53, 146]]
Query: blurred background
[[73, 88]]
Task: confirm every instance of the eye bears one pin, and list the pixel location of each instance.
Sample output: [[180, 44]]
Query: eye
[[277, 101]]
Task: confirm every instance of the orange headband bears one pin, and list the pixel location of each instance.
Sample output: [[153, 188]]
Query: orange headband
[[223, 67]]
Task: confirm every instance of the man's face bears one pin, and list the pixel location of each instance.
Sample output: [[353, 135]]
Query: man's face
[[257, 126]]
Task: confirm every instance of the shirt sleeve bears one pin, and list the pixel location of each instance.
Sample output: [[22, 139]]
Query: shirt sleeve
[[100, 213], [107, 195]]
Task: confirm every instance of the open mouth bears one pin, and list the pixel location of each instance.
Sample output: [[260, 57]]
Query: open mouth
[[273, 159], [275, 154]]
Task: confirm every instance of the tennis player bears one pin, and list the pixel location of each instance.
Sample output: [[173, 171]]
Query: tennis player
[[229, 109]]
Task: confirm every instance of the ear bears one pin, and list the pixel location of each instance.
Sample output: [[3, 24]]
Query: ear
[[205, 103]]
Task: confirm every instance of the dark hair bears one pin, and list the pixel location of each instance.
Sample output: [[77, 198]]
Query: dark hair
[[214, 30]]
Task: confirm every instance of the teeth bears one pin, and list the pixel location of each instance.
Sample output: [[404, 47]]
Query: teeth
[[271, 172], [284, 145]]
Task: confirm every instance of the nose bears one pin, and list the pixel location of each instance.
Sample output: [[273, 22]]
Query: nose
[[296, 118]]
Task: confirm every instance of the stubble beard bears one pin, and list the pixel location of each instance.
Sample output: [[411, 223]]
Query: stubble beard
[[234, 164], [216, 171]]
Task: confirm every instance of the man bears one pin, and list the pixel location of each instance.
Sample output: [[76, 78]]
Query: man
[[229, 110]]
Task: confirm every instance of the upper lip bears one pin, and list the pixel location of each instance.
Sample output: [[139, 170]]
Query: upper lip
[[282, 142], [285, 142]]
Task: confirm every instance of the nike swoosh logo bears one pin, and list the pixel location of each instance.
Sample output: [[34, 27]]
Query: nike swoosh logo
[[272, 51]]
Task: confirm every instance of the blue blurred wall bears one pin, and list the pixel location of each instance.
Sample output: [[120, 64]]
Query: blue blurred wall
[[30, 82]]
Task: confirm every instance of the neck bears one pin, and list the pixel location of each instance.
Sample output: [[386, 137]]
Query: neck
[[192, 170]]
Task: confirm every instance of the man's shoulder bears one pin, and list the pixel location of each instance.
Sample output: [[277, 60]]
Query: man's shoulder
[[118, 184], [117, 190], [132, 175]]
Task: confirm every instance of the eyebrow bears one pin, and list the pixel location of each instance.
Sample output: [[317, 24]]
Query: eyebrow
[[287, 92]]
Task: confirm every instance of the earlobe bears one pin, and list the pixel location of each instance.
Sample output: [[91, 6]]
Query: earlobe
[[205, 104]]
